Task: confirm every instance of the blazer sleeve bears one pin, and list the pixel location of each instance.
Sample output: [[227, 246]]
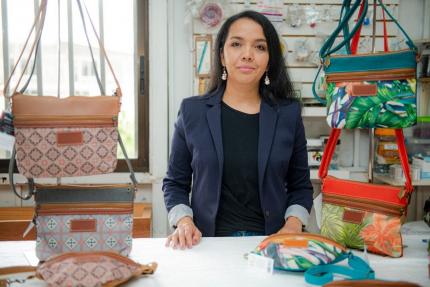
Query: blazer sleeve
[[177, 183], [298, 183]]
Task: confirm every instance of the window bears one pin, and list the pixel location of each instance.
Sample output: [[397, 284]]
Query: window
[[122, 25]]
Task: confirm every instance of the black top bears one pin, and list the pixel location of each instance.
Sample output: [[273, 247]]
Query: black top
[[239, 206]]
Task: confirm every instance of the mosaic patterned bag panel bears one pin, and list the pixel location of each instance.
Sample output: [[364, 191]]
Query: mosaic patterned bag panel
[[380, 233], [301, 259], [39, 154], [394, 106], [88, 274], [54, 236]]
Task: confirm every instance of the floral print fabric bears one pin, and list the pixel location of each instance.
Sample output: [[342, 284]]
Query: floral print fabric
[[394, 106]]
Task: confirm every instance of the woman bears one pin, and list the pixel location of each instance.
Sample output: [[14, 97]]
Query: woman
[[242, 145]]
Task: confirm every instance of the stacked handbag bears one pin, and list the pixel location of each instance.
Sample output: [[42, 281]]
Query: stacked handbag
[[376, 90], [67, 137]]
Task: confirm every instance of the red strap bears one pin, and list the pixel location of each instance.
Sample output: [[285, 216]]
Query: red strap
[[331, 145], [328, 153], [385, 31], [404, 159], [356, 38]]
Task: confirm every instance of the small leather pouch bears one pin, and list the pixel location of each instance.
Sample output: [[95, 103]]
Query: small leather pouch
[[90, 269], [316, 255]]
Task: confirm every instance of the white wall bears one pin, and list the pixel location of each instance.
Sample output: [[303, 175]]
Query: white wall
[[171, 79]]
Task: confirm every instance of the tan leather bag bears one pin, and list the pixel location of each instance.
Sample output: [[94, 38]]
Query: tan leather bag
[[79, 269], [63, 137]]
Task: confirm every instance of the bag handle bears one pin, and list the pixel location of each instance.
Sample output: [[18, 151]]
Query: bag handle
[[331, 145], [356, 39], [325, 50], [346, 34], [358, 269], [39, 29]]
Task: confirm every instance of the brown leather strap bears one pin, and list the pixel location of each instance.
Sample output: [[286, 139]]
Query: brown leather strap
[[102, 48], [37, 26], [16, 269]]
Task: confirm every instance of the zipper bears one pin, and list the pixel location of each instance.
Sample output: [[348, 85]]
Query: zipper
[[96, 255], [79, 186], [81, 208], [23, 121], [365, 204], [398, 74], [370, 54], [279, 238]]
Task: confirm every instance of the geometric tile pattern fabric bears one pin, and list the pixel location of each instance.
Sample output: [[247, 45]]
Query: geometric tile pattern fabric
[[113, 233], [90, 273], [38, 155]]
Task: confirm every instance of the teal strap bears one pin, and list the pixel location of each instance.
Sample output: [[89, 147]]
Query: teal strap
[[319, 99], [327, 47], [358, 270], [409, 41], [345, 5]]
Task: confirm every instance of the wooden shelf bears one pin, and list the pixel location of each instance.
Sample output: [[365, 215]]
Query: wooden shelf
[[314, 112], [424, 79], [392, 181]]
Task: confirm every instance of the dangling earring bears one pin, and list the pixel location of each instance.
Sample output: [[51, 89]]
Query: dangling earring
[[224, 74], [266, 80]]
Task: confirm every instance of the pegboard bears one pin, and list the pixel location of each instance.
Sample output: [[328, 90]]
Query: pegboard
[[303, 73]]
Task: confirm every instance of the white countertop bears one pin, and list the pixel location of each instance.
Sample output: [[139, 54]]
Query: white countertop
[[220, 262]]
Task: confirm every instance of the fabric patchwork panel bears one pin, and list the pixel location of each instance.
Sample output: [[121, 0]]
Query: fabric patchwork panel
[[393, 106], [379, 232], [54, 234], [39, 154]]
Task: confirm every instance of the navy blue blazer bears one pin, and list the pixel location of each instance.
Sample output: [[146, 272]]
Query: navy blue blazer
[[197, 157]]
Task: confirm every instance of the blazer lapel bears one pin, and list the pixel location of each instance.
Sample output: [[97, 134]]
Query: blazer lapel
[[267, 127], [213, 117]]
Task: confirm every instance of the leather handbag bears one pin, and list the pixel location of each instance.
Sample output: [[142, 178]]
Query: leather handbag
[[364, 215], [90, 269], [83, 218], [63, 137], [314, 254], [367, 90]]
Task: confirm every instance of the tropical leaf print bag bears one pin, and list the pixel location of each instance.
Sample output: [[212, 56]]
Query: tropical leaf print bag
[[376, 90], [314, 254], [364, 215]]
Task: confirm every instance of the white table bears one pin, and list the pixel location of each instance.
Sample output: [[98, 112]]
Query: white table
[[220, 262]]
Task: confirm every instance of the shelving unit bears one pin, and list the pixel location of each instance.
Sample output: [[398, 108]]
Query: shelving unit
[[392, 181]]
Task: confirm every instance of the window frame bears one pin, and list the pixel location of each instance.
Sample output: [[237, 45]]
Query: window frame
[[141, 20]]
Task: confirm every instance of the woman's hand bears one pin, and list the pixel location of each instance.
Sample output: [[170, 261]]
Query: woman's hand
[[292, 225], [185, 235]]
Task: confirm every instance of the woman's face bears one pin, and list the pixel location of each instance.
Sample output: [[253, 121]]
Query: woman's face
[[245, 54]]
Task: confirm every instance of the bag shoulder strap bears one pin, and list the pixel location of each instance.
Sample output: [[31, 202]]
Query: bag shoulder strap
[[327, 49], [331, 145], [38, 27], [358, 269]]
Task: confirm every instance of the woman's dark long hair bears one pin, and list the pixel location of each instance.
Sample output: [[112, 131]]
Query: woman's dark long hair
[[280, 84]]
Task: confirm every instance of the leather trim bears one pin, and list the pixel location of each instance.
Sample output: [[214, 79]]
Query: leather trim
[[353, 216], [364, 90], [71, 106], [296, 243], [70, 138], [83, 225]]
